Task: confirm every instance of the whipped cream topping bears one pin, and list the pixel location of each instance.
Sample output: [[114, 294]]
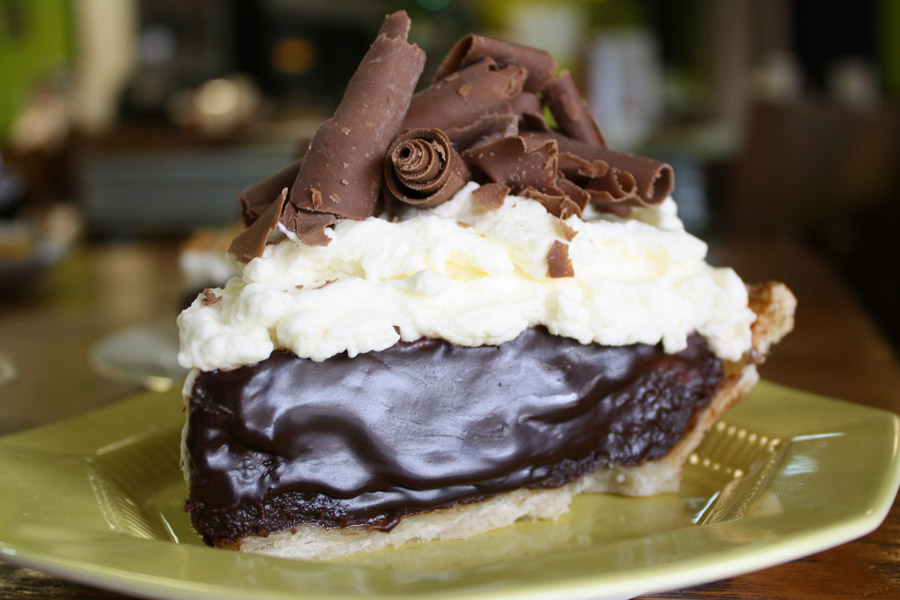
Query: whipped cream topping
[[472, 277]]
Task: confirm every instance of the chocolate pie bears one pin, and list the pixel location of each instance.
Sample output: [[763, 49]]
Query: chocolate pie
[[450, 316]]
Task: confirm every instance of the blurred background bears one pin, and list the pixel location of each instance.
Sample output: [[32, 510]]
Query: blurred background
[[127, 123]]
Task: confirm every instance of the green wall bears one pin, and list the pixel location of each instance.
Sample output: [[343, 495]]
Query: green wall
[[35, 41]]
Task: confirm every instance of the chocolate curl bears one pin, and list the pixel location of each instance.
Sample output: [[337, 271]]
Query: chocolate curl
[[257, 198], [473, 48], [489, 128], [464, 96], [301, 147], [576, 168], [518, 162], [639, 180], [341, 173], [630, 180], [531, 113], [570, 110], [527, 103], [252, 241], [422, 168], [530, 167], [396, 25]]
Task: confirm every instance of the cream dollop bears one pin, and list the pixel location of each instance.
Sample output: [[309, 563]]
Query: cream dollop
[[472, 277]]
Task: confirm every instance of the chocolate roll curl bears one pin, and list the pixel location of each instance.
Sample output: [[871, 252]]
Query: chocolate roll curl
[[473, 48], [341, 173], [464, 96], [422, 168], [571, 111]]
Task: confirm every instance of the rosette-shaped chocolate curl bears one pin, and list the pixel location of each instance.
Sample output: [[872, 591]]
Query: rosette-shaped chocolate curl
[[422, 168]]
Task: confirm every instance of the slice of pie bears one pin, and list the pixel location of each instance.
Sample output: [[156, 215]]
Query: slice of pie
[[450, 316]]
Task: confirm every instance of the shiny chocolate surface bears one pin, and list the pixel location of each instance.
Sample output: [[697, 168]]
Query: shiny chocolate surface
[[421, 425]]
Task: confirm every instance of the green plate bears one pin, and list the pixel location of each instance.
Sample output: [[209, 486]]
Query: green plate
[[97, 499]]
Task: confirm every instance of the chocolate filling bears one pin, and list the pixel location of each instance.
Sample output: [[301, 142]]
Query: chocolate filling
[[421, 425]]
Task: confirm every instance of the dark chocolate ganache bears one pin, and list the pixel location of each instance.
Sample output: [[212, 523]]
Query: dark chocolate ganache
[[421, 425]]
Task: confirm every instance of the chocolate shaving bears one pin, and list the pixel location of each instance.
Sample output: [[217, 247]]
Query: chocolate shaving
[[210, 297], [473, 48], [252, 241], [257, 198], [568, 232], [558, 262], [373, 107], [309, 226], [571, 111], [440, 105], [422, 168], [490, 196]]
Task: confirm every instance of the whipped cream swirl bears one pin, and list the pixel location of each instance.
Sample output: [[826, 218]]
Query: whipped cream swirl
[[472, 277]]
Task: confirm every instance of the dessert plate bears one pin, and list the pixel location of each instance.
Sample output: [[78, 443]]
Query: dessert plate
[[97, 499], [144, 354]]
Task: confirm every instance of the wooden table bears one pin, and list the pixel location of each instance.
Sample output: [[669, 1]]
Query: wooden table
[[835, 350]]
